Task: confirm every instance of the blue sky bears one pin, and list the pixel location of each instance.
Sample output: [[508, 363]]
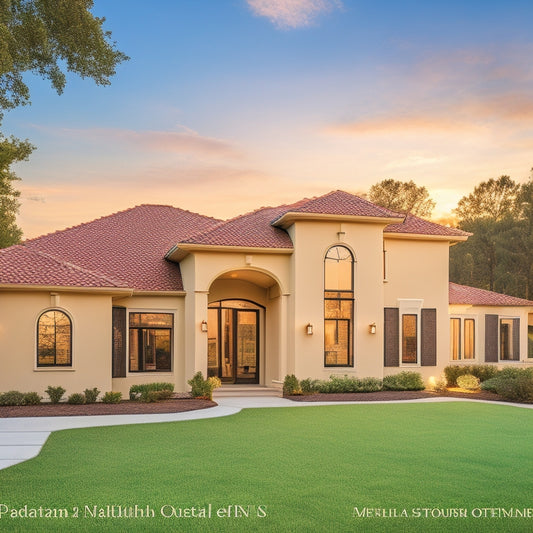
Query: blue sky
[[228, 105]]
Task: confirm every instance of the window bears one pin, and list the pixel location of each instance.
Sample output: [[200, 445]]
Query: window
[[338, 307], [151, 342], [409, 339], [462, 339], [54, 339], [508, 348]]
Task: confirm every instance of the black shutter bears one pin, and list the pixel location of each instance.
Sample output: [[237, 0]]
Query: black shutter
[[491, 338], [392, 337], [429, 337], [119, 342], [516, 339]]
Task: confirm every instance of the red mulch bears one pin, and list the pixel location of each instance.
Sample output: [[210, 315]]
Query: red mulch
[[122, 408], [394, 396]]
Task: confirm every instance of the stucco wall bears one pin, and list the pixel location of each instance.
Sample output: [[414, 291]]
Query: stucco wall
[[91, 342]]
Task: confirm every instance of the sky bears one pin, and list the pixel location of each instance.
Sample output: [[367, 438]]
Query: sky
[[229, 105]]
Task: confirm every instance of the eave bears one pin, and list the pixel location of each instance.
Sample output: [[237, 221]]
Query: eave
[[182, 250], [424, 237], [288, 219], [110, 291]]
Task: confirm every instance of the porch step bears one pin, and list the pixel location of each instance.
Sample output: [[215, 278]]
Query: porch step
[[245, 390]]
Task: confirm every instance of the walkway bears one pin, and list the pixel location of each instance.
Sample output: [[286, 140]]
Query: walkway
[[22, 438]]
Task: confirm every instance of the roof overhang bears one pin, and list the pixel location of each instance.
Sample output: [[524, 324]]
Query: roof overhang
[[424, 237], [288, 219], [110, 291], [182, 250]]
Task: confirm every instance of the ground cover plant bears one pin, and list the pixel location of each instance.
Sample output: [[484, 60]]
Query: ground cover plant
[[292, 469]]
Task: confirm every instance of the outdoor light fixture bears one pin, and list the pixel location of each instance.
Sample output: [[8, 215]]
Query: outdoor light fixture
[[203, 326], [372, 328], [309, 329]]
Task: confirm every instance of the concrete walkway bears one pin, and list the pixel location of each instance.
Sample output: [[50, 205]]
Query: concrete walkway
[[22, 438]]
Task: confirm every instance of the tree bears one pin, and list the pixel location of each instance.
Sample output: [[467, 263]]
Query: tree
[[46, 38], [405, 197]]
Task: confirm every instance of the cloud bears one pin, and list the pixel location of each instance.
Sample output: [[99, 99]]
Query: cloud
[[288, 14]]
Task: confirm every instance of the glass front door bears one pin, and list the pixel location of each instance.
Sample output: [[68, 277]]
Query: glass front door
[[233, 343]]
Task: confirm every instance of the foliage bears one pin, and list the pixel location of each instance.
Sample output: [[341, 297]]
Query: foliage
[[291, 385], [137, 390], [203, 388], [440, 385], [512, 384], [468, 382], [32, 398], [152, 396], [343, 384], [404, 381], [91, 395], [112, 397], [308, 385], [12, 397], [55, 393], [76, 399], [406, 197], [482, 372]]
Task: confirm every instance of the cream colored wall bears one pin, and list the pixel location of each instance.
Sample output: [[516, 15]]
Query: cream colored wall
[[312, 241], [418, 269], [478, 313], [91, 342], [155, 304]]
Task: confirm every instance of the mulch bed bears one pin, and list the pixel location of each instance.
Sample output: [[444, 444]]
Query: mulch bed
[[122, 408], [394, 396]]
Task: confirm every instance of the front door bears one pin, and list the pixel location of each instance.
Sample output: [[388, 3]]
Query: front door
[[233, 337]]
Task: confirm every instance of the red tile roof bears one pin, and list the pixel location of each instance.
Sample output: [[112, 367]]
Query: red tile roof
[[418, 226], [462, 294], [128, 246]]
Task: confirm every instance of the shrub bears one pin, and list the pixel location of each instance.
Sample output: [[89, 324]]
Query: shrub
[[112, 397], [76, 399], [55, 393], [151, 396], [468, 382], [512, 384], [32, 398], [308, 385], [342, 384], [404, 381], [91, 395], [483, 372], [136, 391], [12, 397], [291, 385], [203, 388]]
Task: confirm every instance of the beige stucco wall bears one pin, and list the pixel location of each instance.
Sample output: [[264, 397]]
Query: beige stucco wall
[[478, 313], [91, 342]]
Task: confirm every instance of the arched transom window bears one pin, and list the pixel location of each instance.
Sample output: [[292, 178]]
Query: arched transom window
[[54, 339], [338, 306]]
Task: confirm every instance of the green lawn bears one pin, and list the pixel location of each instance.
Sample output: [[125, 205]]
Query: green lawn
[[307, 469]]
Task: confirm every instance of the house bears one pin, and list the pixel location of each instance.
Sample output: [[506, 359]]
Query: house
[[328, 285]]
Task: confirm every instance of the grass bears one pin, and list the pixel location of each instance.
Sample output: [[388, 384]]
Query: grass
[[306, 468]]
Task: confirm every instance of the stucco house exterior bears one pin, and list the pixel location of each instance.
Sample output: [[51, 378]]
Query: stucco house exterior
[[328, 285]]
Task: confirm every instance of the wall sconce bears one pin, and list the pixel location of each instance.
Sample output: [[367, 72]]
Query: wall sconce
[[203, 326], [309, 329], [372, 328]]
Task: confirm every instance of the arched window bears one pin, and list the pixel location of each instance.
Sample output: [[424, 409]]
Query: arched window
[[54, 339], [338, 307]]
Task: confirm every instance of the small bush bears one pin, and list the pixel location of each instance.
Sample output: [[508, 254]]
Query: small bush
[[483, 372], [55, 393], [151, 396], [512, 384], [137, 390], [12, 397], [32, 398], [308, 385], [112, 397], [76, 399], [468, 382], [291, 385], [203, 388], [404, 381], [91, 395], [338, 384]]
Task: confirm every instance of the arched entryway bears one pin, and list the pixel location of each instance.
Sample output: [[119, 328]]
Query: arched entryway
[[233, 333]]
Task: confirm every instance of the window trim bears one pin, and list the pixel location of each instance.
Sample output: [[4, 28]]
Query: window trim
[[343, 295], [54, 367], [513, 320], [173, 343], [462, 338], [410, 306]]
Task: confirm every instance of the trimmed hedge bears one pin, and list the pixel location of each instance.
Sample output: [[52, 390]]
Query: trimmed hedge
[[137, 391], [512, 384], [337, 384], [404, 381], [482, 372]]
